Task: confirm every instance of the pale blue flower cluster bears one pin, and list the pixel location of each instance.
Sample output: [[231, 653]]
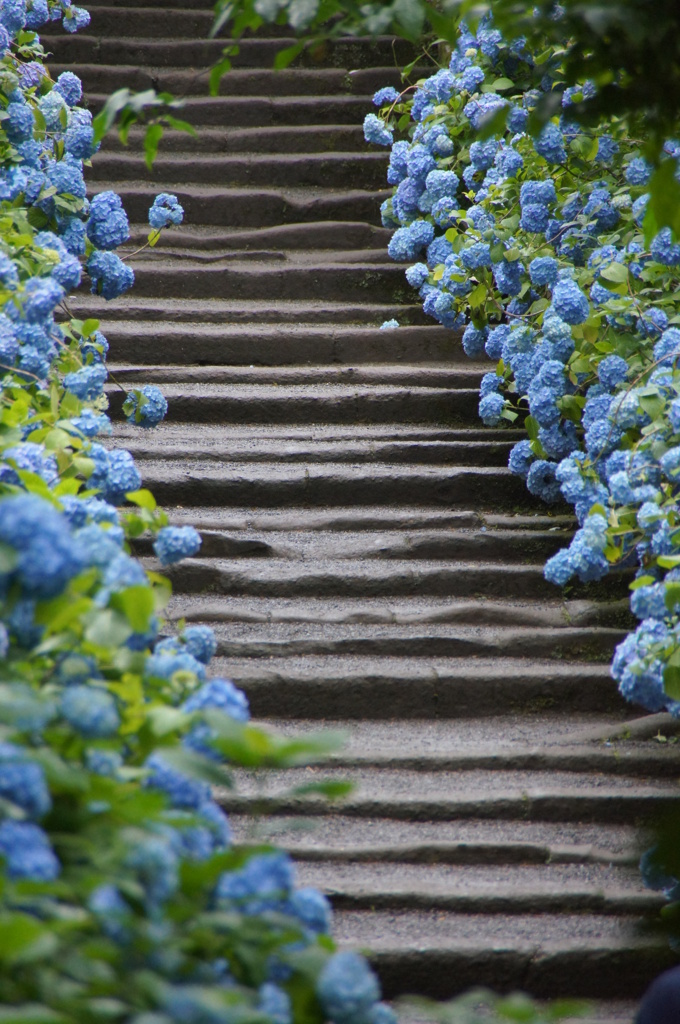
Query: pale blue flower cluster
[[539, 260]]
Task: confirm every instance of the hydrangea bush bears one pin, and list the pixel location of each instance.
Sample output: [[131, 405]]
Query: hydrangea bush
[[536, 247], [122, 896]]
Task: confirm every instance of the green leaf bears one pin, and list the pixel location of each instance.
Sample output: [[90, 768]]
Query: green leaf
[[217, 74], [502, 85], [330, 788], [616, 272], [642, 581], [532, 427], [671, 681], [287, 56], [142, 498], [152, 138], [137, 604], [21, 938], [672, 596], [31, 1013]]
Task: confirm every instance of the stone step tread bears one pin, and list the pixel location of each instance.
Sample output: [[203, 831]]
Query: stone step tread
[[404, 611], [319, 386], [374, 375], [181, 309], [377, 517], [611, 882], [496, 738], [435, 669], [468, 840], [298, 640]]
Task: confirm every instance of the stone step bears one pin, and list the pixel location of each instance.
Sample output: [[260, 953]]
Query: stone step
[[380, 689], [102, 78], [453, 378], [293, 640], [308, 403], [278, 279], [338, 838], [310, 138], [317, 170], [246, 341], [452, 452], [269, 485], [167, 313], [486, 545], [261, 111], [548, 795], [261, 207], [443, 954], [503, 742], [473, 889], [344, 239], [118, 48], [558, 614]]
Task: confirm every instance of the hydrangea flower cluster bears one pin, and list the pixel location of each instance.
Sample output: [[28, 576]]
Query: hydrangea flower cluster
[[534, 248], [112, 730]]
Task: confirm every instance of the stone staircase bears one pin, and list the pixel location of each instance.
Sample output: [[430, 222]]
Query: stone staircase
[[368, 562]]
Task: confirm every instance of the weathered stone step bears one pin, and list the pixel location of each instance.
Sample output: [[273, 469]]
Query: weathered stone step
[[318, 170], [345, 839], [256, 207], [449, 795], [293, 640], [102, 78], [451, 377], [254, 313], [310, 403], [260, 111], [270, 486], [118, 48], [486, 545], [558, 614], [504, 742], [548, 889], [451, 453], [310, 138], [442, 954], [338, 236], [278, 279], [387, 688], [351, 517], [183, 342]]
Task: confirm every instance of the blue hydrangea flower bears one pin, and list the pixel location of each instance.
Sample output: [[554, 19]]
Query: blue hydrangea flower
[[540, 192], [376, 131], [664, 250], [157, 867], [88, 382], [181, 791], [612, 371], [79, 136], [550, 144], [54, 109], [112, 912], [313, 909], [27, 852], [607, 148], [264, 883], [145, 406], [166, 210], [638, 171], [75, 18], [110, 276], [70, 87], [22, 781], [92, 712], [46, 559], [385, 96], [508, 276], [174, 543], [569, 302], [200, 642], [275, 1002], [387, 325], [19, 124], [107, 226], [491, 409], [347, 988], [543, 271], [163, 666]]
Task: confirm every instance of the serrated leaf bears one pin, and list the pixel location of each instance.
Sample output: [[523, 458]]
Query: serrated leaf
[[616, 272]]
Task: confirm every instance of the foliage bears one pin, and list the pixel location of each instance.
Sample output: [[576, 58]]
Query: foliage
[[535, 246], [481, 1007], [121, 894]]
